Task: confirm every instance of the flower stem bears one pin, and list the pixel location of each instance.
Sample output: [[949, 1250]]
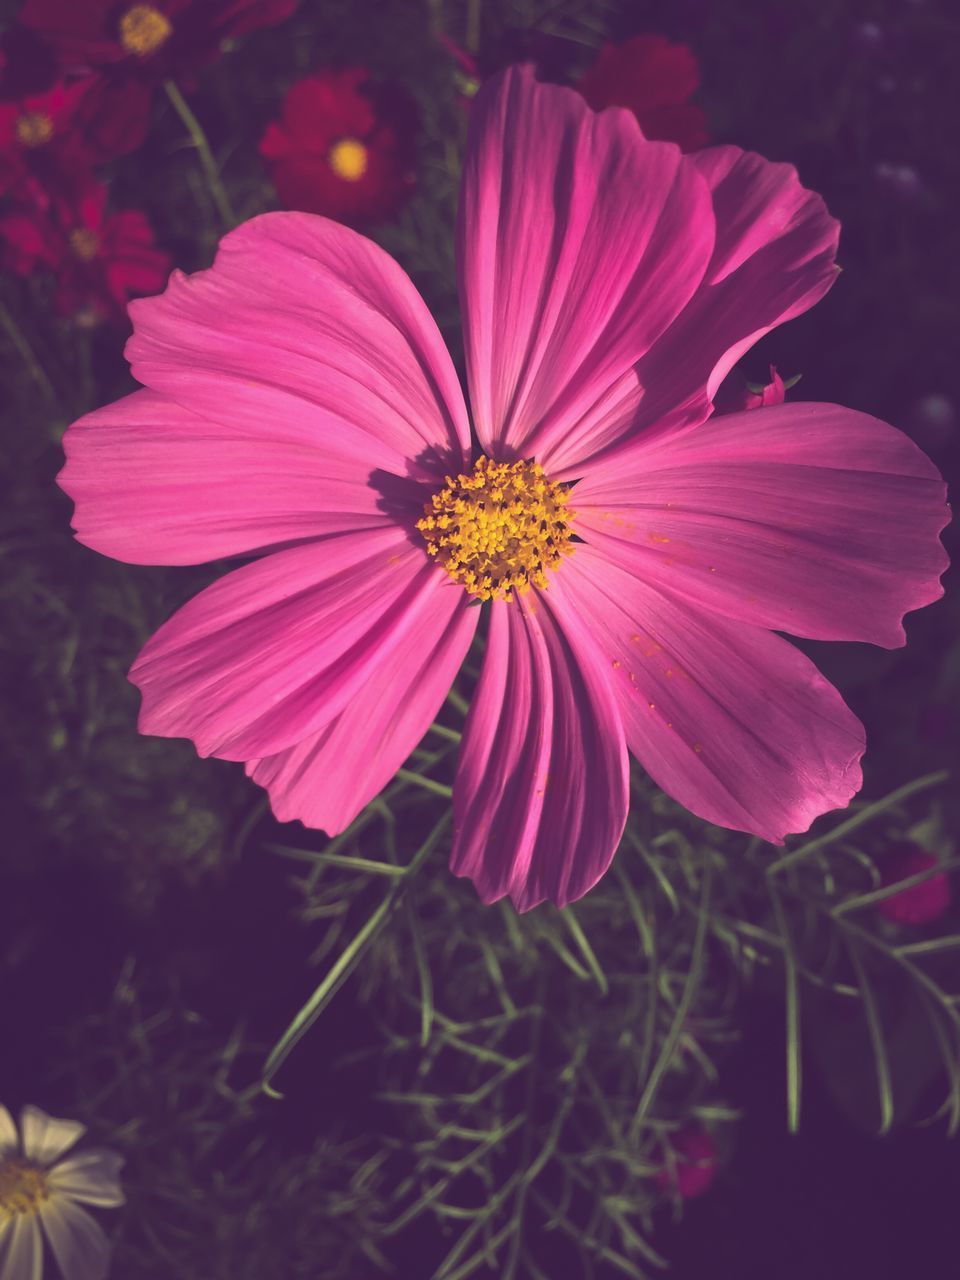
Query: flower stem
[[199, 140], [472, 40], [26, 354]]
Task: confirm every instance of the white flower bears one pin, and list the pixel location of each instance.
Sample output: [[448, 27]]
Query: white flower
[[38, 1188]]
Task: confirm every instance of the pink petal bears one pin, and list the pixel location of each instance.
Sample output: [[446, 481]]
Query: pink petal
[[731, 721], [807, 518], [328, 778], [540, 798], [155, 483], [693, 1167], [276, 650], [578, 242], [302, 322], [773, 259]]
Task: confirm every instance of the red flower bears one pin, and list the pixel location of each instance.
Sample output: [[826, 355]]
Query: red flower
[[37, 132], [331, 154], [921, 903], [101, 260], [691, 1164], [159, 39], [652, 78], [36, 121], [57, 136]]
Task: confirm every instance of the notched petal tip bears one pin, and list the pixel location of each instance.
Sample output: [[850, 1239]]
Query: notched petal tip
[[541, 793]]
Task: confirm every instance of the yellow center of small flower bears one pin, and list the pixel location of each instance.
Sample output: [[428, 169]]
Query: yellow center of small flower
[[348, 159], [23, 1188], [84, 243], [33, 129], [499, 529], [143, 29]]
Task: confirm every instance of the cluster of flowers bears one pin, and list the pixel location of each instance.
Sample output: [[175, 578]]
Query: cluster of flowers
[[76, 86], [340, 148]]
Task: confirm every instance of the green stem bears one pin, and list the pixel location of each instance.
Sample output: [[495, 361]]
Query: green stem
[[25, 352], [199, 140], [472, 40], [866, 814], [428, 784], [678, 1022], [346, 962]]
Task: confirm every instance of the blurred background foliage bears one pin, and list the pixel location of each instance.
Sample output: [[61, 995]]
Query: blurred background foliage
[[451, 1090]]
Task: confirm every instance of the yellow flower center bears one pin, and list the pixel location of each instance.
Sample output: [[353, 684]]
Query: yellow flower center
[[143, 29], [348, 159], [84, 243], [33, 129], [23, 1188], [499, 529]]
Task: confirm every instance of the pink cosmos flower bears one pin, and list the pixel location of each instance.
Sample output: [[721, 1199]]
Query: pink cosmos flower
[[299, 405]]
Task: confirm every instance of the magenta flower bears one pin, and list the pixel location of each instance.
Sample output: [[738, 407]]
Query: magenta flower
[[691, 1165], [773, 392], [299, 404], [735, 394], [920, 903]]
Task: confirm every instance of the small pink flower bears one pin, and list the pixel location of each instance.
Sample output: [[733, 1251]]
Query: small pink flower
[[736, 395], [919, 903], [637, 554], [465, 61], [468, 75], [773, 393], [691, 1165]]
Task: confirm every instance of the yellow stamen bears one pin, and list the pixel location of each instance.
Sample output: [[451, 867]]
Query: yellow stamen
[[23, 1188], [33, 129], [143, 29], [348, 159], [84, 243], [500, 529]]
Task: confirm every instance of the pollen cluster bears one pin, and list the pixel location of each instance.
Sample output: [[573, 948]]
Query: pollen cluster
[[33, 129], [23, 1188], [500, 529], [143, 29], [348, 159], [84, 243]]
